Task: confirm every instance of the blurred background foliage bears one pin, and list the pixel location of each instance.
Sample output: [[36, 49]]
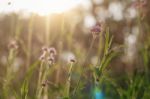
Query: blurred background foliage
[[69, 32]]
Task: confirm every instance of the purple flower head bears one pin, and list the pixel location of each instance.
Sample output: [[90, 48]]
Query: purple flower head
[[96, 29], [143, 3], [44, 49], [52, 51], [139, 4], [43, 56]]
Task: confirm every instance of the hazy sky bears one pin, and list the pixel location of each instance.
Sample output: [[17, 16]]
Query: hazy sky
[[39, 6]]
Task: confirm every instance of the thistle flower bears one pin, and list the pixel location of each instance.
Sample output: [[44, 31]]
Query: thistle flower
[[96, 30]]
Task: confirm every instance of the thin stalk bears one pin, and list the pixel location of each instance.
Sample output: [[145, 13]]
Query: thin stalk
[[60, 50], [18, 29], [30, 33], [9, 72], [47, 33], [39, 79], [42, 79], [69, 81], [82, 69], [100, 49]]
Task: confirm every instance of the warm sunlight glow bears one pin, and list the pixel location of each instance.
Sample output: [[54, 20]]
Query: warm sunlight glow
[[42, 7]]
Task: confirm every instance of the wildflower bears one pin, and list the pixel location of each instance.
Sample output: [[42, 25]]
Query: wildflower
[[52, 51], [72, 60], [141, 7], [51, 60], [143, 3], [44, 49], [96, 29], [139, 4], [13, 45], [48, 55], [43, 56]]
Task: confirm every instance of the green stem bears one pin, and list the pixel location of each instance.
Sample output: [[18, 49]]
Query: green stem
[[68, 81], [39, 81], [82, 69], [42, 78]]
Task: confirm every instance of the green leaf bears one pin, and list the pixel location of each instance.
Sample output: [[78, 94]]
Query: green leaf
[[106, 42], [24, 90], [31, 70], [108, 59]]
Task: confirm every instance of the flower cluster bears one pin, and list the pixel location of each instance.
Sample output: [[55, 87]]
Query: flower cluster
[[139, 4], [48, 55], [141, 7], [96, 30], [13, 45]]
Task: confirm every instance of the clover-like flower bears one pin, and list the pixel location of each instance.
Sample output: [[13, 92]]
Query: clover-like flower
[[48, 55], [96, 30], [52, 51]]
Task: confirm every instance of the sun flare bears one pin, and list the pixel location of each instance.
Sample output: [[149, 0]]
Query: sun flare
[[42, 7]]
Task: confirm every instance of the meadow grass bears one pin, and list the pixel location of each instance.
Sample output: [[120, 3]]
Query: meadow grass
[[52, 78]]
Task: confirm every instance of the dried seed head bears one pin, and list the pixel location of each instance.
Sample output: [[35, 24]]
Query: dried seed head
[[44, 84], [13, 45], [72, 60]]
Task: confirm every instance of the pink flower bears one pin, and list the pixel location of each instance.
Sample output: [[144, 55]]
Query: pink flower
[[96, 30]]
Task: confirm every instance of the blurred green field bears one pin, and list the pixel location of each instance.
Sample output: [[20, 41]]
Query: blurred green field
[[98, 53]]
